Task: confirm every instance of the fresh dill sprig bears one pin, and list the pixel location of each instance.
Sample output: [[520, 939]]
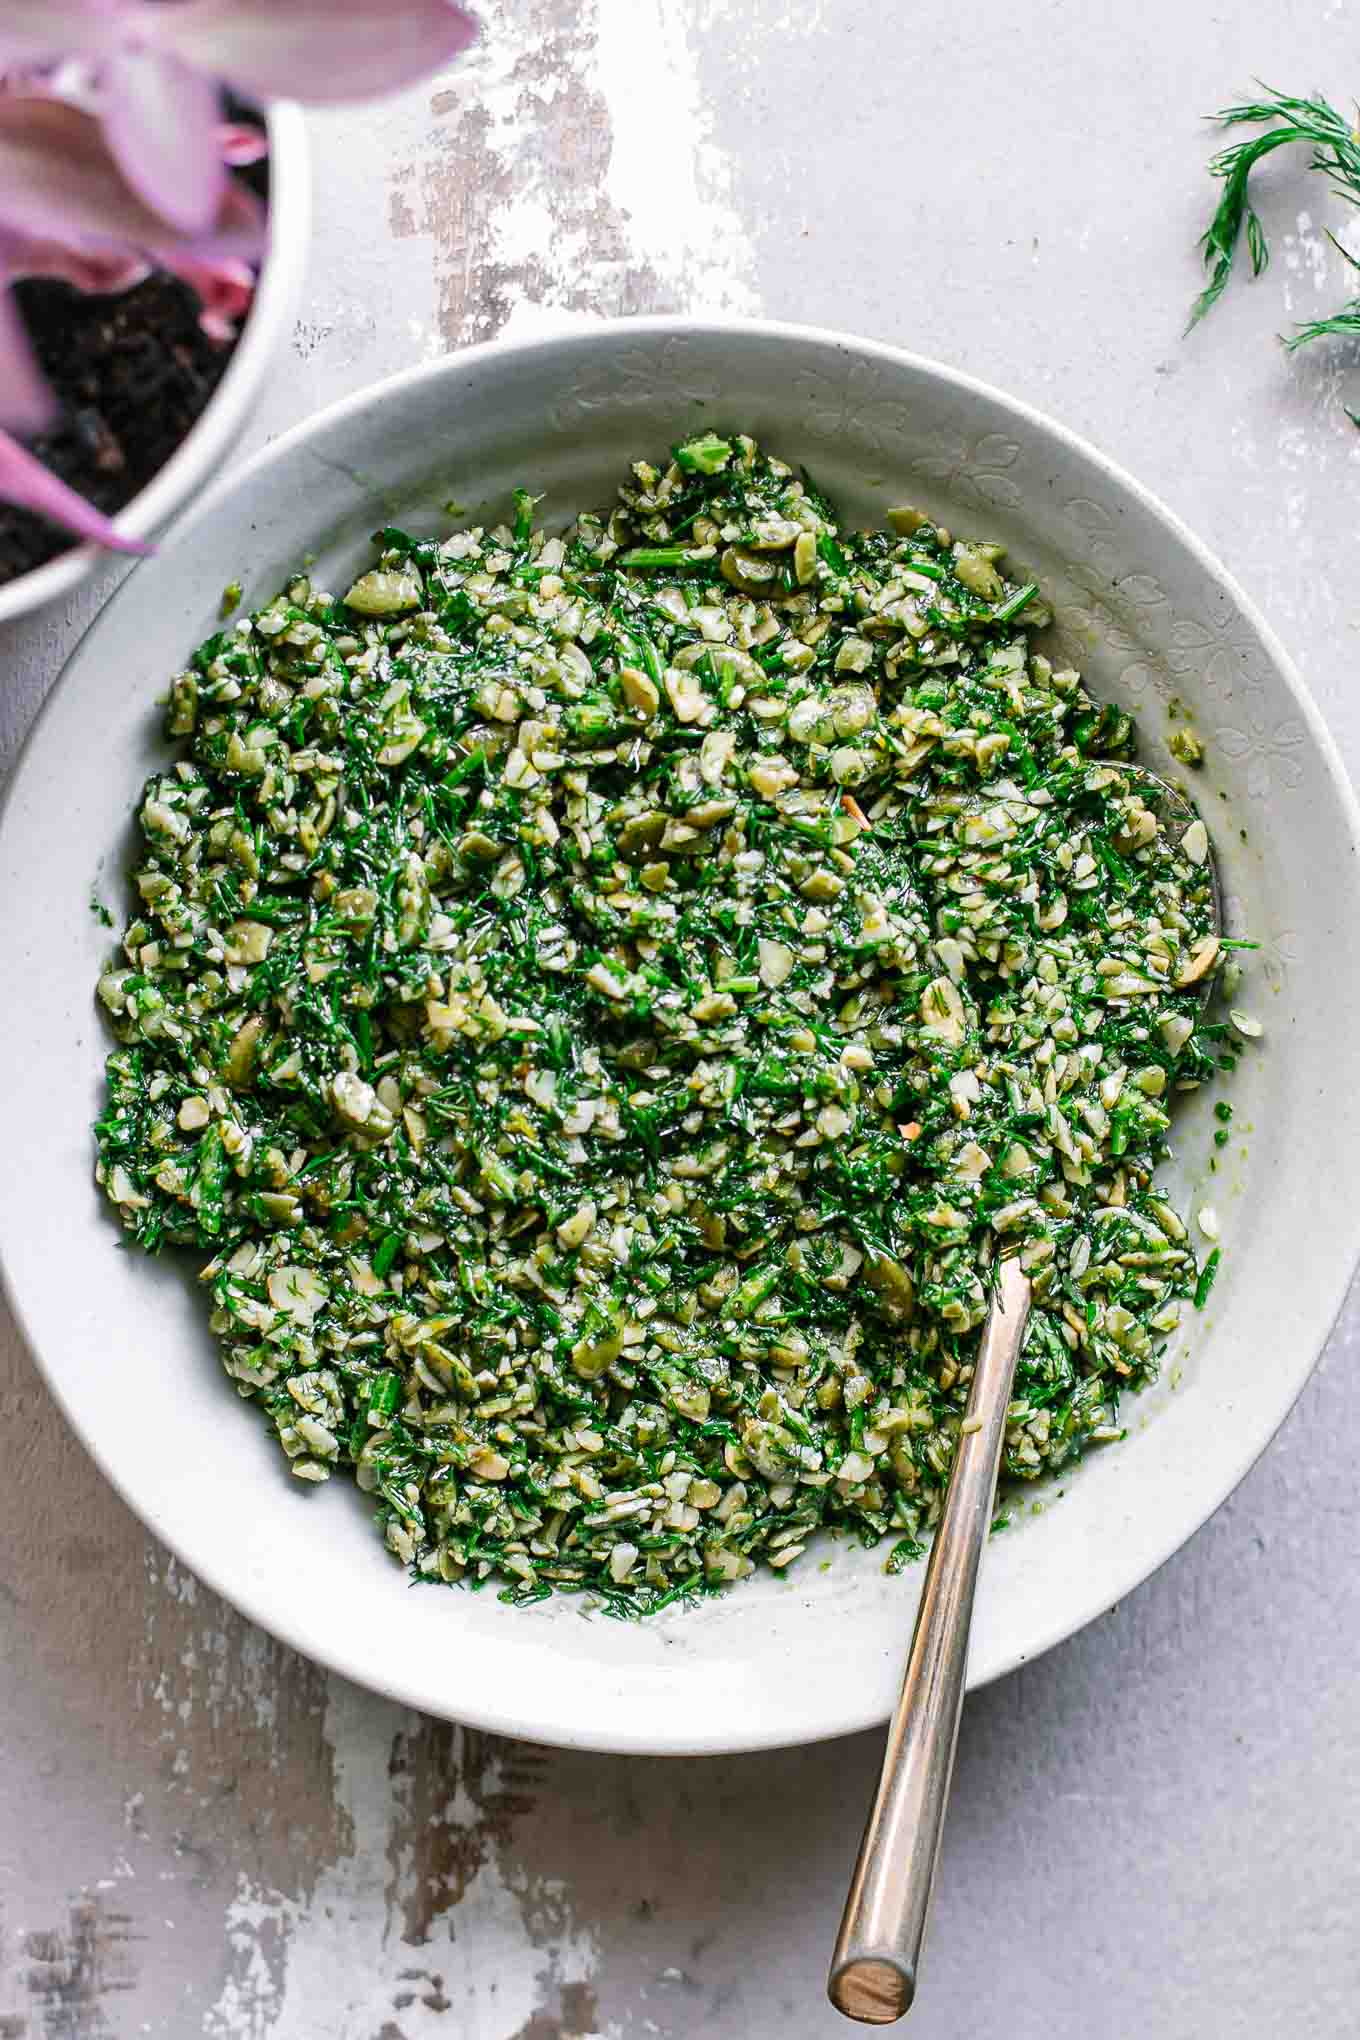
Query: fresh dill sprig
[[1335, 144], [1342, 325]]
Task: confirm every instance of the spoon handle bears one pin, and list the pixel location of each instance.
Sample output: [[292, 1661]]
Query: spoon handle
[[878, 1949]]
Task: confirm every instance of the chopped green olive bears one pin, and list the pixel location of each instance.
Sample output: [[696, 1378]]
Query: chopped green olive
[[604, 1000]]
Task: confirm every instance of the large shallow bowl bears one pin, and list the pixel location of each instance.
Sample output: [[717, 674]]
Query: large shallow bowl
[[1150, 615]]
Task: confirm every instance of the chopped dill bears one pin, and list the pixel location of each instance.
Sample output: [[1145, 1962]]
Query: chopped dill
[[597, 1002], [1334, 144]]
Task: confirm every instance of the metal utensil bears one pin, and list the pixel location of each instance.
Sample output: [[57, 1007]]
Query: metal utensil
[[878, 1949], [873, 1971]]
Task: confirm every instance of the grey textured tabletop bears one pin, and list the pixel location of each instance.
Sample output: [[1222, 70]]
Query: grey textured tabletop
[[1153, 1828]]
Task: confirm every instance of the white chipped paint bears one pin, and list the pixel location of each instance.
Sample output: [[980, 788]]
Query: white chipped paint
[[483, 1972], [427, 342], [526, 230], [12, 1967], [800, 17], [530, 321], [676, 195], [217, 1674], [1310, 259], [546, 190]]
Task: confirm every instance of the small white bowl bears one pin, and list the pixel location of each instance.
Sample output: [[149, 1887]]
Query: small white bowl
[[1153, 619], [217, 433]]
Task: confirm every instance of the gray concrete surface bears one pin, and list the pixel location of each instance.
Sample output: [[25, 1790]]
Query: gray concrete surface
[[1154, 1829]]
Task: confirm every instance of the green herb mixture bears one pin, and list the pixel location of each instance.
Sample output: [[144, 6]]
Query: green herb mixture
[[603, 1002]]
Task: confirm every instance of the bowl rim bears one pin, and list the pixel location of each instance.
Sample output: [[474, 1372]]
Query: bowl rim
[[214, 432], [292, 1627]]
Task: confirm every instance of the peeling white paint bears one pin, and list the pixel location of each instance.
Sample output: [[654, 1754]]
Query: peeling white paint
[[591, 216], [479, 1974], [529, 321], [1309, 256], [675, 198]]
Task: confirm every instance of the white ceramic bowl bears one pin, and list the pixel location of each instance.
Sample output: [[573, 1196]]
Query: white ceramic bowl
[[217, 432], [1149, 614]]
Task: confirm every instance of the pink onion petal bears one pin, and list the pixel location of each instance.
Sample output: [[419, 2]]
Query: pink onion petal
[[59, 182], [102, 271], [217, 329], [160, 120], [27, 483], [225, 292], [320, 51], [27, 403], [42, 31], [241, 233], [241, 144]]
